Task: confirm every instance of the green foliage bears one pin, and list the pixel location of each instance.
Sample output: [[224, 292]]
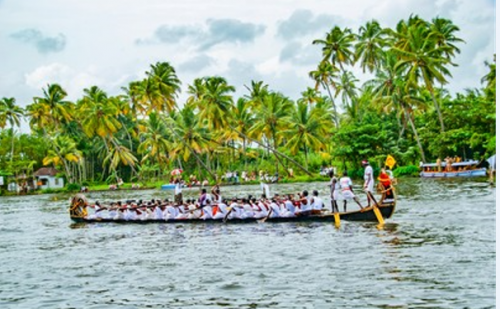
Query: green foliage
[[72, 187], [410, 170]]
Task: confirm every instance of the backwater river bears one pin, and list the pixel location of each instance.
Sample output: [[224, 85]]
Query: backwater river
[[437, 251]]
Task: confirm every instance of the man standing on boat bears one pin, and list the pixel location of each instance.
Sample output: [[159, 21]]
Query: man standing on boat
[[334, 190], [345, 184], [368, 186]]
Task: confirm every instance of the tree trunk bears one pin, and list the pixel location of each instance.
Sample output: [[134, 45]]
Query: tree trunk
[[245, 152], [305, 155], [422, 154], [273, 150], [438, 110], [12, 150], [333, 104]]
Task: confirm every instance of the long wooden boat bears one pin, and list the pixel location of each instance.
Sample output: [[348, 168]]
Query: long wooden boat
[[386, 208], [458, 169]]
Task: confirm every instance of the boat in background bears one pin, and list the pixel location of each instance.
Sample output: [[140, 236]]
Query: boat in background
[[458, 169]]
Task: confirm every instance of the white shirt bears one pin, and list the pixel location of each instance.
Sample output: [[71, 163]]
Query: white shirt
[[368, 175], [178, 188], [317, 203]]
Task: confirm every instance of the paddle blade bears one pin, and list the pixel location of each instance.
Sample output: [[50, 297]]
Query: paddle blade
[[380, 219], [336, 216]]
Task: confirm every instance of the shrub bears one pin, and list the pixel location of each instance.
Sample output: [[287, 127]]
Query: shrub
[[409, 170]]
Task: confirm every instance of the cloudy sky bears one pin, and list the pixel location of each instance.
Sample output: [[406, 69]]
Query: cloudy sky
[[109, 43]]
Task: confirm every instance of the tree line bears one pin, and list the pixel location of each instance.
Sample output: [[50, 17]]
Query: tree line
[[143, 133]]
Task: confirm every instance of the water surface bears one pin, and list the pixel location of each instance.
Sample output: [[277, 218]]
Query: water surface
[[438, 251]]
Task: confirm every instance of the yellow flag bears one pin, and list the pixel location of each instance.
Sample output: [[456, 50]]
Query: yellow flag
[[390, 161]]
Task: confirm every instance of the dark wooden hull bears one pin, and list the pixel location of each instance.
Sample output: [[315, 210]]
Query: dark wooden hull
[[386, 209]]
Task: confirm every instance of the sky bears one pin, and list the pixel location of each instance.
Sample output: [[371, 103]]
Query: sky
[[109, 43]]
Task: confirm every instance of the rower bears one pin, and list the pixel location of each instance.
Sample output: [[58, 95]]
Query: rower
[[304, 204], [317, 203]]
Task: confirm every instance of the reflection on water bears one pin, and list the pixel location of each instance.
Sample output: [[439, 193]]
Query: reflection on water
[[438, 251]]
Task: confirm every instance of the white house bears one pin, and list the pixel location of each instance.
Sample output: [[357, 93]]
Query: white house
[[46, 178]]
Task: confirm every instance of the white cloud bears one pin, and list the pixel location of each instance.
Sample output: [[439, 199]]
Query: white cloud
[[240, 41]]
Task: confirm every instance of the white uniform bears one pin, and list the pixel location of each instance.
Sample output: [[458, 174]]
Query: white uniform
[[336, 193], [157, 213], [307, 206], [369, 178], [248, 211], [275, 210], [345, 188], [317, 203], [288, 210], [221, 211], [207, 212]]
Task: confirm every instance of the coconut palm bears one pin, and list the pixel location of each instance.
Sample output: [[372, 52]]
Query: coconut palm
[[257, 91], [12, 114], [422, 60], [154, 141], [63, 152], [191, 136], [59, 110], [310, 95], [337, 47], [243, 120], [324, 76], [390, 93], [163, 82], [271, 117], [369, 46], [346, 88], [443, 31], [215, 102], [99, 116], [307, 129]]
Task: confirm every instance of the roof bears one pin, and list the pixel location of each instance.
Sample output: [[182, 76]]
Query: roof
[[46, 171]]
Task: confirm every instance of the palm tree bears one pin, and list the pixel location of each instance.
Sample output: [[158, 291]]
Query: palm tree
[[324, 76], [391, 93], [192, 137], [422, 60], [99, 116], [257, 91], [12, 114], [215, 104], [346, 88], [155, 143], [442, 31], [59, 110], [310, 96], [163, 79], [271, 118], [63, 152], [370, 42], [337, 46], [307, 128], [491, 78], [243, 120]]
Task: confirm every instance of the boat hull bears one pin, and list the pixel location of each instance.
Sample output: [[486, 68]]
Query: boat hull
[[368, 215], [470, 173]]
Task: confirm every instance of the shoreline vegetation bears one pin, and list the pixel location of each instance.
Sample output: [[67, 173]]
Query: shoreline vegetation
[[144, 133]]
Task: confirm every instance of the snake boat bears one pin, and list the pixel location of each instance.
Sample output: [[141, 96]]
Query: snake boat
[[385, 209]]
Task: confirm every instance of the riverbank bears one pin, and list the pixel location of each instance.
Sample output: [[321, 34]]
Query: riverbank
[[154, 185]]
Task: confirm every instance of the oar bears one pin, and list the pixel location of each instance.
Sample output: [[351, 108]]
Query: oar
[[376, 209], [266, 217], [336, 215], [227, 215]]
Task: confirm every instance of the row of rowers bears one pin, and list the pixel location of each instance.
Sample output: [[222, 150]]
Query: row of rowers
[[212, 207]]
